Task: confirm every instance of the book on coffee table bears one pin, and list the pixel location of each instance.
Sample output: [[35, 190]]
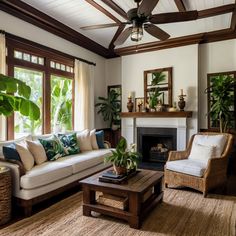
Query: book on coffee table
[[111, 177]]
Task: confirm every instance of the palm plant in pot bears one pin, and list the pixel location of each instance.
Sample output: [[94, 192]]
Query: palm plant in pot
[[110, 108], [222, 99], [124, 159]]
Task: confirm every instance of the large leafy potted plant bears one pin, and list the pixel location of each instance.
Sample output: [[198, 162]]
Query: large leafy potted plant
[[222, 99], [14, 96], [154, 93], [124, 159], [110, 108]]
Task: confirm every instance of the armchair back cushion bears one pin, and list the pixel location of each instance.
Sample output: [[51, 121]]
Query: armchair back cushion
[[217, 141], [202, 153]]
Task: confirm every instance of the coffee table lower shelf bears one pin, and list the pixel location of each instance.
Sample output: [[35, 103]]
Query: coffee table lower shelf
[[133, 219]]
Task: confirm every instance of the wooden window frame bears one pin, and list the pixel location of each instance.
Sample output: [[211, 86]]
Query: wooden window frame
[[216, 129], [26, 46]]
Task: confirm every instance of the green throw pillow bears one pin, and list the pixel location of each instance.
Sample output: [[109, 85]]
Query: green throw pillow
[[69, 142], [53, 148]]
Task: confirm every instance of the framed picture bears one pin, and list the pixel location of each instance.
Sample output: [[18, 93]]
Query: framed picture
[[116, 88], [165, 86], [139, 104]]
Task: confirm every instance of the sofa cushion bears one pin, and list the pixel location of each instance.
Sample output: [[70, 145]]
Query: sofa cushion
[[37, 150], [202, 152], [53, 148], [10, 152], [85, 160], [6, 143], [190, 167], [25, 155], [93, 139], [44, 174], [84, 140], [100, 139], [70, 143], [217, 141]]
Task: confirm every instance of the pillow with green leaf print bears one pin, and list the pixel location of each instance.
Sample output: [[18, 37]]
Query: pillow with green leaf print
[[69, 142], [53, 148]]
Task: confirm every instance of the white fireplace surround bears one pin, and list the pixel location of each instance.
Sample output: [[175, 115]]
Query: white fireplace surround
[[129, 128]]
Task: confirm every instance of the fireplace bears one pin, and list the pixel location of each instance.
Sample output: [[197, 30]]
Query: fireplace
[[155, 144]]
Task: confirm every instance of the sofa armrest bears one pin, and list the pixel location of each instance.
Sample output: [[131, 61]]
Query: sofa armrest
[[20, 165], [15, 174], [177, 155], [107, 144]]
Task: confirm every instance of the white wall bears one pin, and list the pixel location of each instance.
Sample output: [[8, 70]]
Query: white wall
[[26, 30], [213, 57], [113, 71], [183, 60]]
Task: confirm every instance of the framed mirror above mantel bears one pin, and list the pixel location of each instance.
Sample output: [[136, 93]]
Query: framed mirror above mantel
[[165, 86]]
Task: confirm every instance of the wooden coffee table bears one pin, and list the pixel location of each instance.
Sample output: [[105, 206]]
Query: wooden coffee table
[[134, 188]]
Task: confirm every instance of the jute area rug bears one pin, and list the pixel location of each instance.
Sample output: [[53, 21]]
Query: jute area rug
[[181, 213]]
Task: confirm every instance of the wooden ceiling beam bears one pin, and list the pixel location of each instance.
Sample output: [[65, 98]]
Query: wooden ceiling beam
[[233, 19], [116, 8], [200, 38], [216, 11], [29, 14], [180, 5], [103, 10]]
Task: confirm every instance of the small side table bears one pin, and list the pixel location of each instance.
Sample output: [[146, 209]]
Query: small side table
[[5, 195]]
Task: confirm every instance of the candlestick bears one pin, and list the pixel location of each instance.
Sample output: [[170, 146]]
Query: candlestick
[[181, 91]]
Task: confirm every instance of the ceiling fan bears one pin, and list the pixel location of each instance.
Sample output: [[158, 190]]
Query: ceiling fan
[[141, 18]]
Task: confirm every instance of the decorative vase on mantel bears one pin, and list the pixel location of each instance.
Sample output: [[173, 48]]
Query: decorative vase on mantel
[[181, 102], [130, 104]]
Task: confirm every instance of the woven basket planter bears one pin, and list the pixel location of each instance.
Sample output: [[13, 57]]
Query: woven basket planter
[[5, 195]]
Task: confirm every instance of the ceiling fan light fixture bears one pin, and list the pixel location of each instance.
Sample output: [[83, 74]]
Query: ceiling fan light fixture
[[137, 34]]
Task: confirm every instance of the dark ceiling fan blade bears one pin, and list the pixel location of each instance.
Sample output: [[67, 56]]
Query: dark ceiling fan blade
[[90, 27], [156, 31], [172, 17], [146, 7], [123, 36]]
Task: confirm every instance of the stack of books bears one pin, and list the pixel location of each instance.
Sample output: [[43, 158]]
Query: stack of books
[[110, 176]]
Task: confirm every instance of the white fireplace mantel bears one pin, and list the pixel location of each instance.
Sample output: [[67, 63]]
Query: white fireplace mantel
[[130, 124]]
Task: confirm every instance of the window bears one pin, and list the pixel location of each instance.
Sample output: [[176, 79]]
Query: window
[[23, 125], [213, 122], [50, 74]]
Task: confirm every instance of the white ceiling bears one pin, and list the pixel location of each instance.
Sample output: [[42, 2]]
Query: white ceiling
[[79, 13]]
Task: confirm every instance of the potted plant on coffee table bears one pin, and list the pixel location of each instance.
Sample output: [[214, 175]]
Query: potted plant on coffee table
[[124, 159]]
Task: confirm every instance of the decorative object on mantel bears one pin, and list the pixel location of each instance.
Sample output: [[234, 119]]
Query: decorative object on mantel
[[181, 102], [130, 104], [139, 104]]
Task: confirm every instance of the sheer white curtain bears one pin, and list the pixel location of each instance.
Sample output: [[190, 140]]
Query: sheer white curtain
[[2, 71], [84, 96]]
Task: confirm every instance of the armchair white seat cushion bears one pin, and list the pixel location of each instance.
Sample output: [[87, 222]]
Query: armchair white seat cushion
[[187, 166]]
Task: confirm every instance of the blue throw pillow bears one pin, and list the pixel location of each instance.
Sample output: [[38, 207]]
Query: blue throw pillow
[[100, 139], [10, 152]]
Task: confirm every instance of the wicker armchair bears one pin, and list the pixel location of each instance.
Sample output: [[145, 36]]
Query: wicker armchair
[[214, 175]]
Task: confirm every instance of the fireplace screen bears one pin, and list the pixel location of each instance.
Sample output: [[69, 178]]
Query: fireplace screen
[[155, 144]]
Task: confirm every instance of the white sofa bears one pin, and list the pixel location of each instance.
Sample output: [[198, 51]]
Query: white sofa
[[51, 177]]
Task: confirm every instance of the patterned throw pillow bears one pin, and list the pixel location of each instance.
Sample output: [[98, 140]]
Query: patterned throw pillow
[[69, 142], [53, 148]]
